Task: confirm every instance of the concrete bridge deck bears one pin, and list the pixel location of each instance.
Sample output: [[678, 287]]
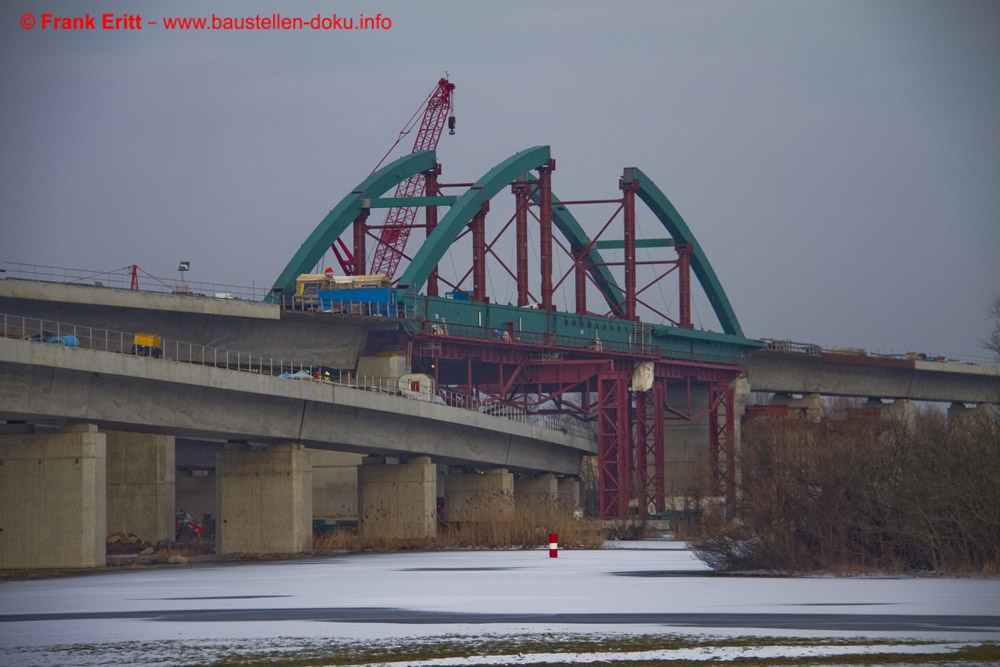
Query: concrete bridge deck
[[124, 392], [839, 374]]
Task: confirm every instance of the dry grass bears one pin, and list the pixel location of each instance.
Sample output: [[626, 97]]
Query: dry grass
[[485, 524]]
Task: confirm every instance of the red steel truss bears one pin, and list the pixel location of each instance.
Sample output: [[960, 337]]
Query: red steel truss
[[614, 434], [537, 375]]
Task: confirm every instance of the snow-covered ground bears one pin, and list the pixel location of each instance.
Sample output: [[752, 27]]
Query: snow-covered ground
[[650, 587]]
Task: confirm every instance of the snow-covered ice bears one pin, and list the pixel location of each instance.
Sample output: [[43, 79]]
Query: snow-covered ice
[[647, 588]]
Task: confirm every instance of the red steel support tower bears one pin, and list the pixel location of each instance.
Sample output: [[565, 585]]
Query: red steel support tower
[[545, 231], [432, 190], [522, 194], [684, 284], [628, 204]]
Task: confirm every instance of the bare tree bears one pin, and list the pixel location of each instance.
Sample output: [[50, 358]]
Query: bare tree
[[992, 343]]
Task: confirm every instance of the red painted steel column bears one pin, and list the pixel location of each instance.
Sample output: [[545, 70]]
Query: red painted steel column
[[614, 445], [628, 200], [522, 193], [545, 230], [643, 449], [684, 279], [649, 448], [359, 242], [478, 225], [431, 212], [659, 402], [722, 445], [580, 266], [729, 432]]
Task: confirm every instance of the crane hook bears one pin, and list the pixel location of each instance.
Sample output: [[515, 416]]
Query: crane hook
[[451, 124]]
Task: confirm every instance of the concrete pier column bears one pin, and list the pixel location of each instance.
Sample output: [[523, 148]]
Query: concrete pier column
[[982, 418], [53, 510], [264, 500], [686, 442], [140, 484], [335, 485], [956, 411], [479, 496], [901, 412], [397, 501], [539, 493], [568, 493], [810, 405]]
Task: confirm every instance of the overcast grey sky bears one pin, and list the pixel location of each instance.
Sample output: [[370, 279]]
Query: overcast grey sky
[[838, 161]]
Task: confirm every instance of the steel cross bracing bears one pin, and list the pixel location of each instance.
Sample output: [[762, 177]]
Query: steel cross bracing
[[533, 358]]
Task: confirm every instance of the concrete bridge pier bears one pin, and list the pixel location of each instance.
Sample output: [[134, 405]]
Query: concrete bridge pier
[[264, 500], [538, 494], [479, 496], [52, 498], [141, 484], [335, 484], [983, 415], [901, 412], [809, 406], [686, 440], [569, 492], [397, 501]]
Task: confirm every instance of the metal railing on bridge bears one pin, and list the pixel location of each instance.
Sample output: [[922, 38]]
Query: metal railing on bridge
[[536, 338], [811, 349], [131, 277], [154, 347]]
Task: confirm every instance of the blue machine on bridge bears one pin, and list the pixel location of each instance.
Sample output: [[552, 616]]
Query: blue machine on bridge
[[376, 301]]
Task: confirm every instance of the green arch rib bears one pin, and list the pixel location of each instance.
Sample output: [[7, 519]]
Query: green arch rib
[[451, 225], [487, 187], [340, 218], [678, 229]]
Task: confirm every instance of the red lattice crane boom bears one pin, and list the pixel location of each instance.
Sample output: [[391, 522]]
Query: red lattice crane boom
[[398, 221]]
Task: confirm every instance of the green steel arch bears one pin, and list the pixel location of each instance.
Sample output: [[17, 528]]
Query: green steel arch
[[487, 187], [573, 232], [341, 217], [681, 233], [451, 225]]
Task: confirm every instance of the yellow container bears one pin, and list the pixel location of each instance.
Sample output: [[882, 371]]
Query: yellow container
[[148, 340]]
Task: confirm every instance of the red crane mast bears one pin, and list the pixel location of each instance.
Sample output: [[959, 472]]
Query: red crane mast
[[398, 221]]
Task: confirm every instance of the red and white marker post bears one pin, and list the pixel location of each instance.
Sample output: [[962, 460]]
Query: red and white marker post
[[553, 545]]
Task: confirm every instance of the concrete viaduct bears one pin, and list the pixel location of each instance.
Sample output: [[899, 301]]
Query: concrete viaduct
[[265, 455], [97, 441]]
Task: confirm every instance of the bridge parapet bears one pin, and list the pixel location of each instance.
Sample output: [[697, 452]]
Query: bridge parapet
[[302, 372]]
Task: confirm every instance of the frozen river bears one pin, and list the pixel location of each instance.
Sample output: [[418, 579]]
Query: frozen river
[[649, 587]]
